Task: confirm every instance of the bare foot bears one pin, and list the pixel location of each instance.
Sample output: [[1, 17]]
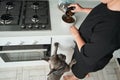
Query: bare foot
[[70, 77], [87, 76]]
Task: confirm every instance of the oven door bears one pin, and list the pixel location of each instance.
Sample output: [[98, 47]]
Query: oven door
[[24, 54]]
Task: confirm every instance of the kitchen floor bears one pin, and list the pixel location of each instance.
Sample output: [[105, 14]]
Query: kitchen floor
[[110, 72]]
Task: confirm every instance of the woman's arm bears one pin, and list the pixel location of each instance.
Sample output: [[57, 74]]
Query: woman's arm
[[87, 10], [79, 8], [80, 42]]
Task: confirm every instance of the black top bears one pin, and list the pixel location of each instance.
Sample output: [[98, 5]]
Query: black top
[[101, 32]]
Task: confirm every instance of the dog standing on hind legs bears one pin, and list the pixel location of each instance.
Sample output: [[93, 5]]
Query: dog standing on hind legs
[[57, 64]]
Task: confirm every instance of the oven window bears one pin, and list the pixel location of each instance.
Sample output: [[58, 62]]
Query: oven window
[[24, 53]]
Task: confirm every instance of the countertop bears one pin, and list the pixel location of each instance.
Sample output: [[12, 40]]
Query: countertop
[[57, 27]]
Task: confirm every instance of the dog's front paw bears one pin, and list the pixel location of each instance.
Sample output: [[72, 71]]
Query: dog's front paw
[[73, 61]]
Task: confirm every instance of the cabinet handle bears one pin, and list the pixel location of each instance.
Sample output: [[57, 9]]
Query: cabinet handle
[[8, 43], [35, 42], [22, 42]]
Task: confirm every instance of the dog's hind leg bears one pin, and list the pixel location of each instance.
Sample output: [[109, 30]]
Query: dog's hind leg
[[72, 63]]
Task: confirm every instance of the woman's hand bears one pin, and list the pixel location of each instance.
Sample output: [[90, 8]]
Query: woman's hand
[[80, 42], [78, 8], [74, 31]]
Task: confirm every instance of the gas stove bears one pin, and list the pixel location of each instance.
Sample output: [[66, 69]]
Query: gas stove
[[24, 15]]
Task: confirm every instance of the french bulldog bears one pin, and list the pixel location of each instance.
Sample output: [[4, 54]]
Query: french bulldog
[[58, 65]]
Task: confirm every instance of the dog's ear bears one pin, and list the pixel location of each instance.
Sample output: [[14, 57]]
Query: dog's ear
[[51, 71], [46, 59], [62, 57]]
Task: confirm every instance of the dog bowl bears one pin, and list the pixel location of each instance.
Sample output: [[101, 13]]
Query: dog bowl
[[68, 21]]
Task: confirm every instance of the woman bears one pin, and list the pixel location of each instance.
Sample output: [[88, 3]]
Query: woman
[[97, 38]]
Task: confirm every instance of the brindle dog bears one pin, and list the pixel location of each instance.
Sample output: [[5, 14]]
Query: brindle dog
[[57, 64]]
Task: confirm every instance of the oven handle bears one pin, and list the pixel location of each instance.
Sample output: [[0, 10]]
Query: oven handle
[[31, 50]]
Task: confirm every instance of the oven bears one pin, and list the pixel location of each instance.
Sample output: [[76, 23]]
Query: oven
[[18, 53], [24, 17], [24, 51]]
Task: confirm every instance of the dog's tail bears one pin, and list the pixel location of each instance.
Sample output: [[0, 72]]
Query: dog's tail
[[56, 44]]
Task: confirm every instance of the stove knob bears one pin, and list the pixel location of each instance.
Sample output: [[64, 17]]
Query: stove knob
[[43, 26], [30, 26], [23, 26], [36, 26]]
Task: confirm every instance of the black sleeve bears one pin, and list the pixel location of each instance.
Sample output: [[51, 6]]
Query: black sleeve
[[101, 43]]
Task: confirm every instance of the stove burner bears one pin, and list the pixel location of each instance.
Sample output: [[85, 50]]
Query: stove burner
[[1, 0], [24, 15], [9, 5], [6, 19], [35, 18], [35, 5]]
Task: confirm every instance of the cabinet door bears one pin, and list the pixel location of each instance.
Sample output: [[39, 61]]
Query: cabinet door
[[8, 73], [66, 46]]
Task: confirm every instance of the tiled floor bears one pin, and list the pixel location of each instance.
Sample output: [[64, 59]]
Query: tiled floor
[[24, 73], [110, 72]]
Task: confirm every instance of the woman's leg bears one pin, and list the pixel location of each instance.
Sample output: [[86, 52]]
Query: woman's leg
[[70, 77]]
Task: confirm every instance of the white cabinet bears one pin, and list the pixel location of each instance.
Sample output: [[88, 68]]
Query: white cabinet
[[8, 74], [66, 46], [32, 40]]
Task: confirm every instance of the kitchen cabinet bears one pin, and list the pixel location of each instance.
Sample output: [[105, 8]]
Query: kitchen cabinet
[[25, 40], [8, 74], [66, 46]]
